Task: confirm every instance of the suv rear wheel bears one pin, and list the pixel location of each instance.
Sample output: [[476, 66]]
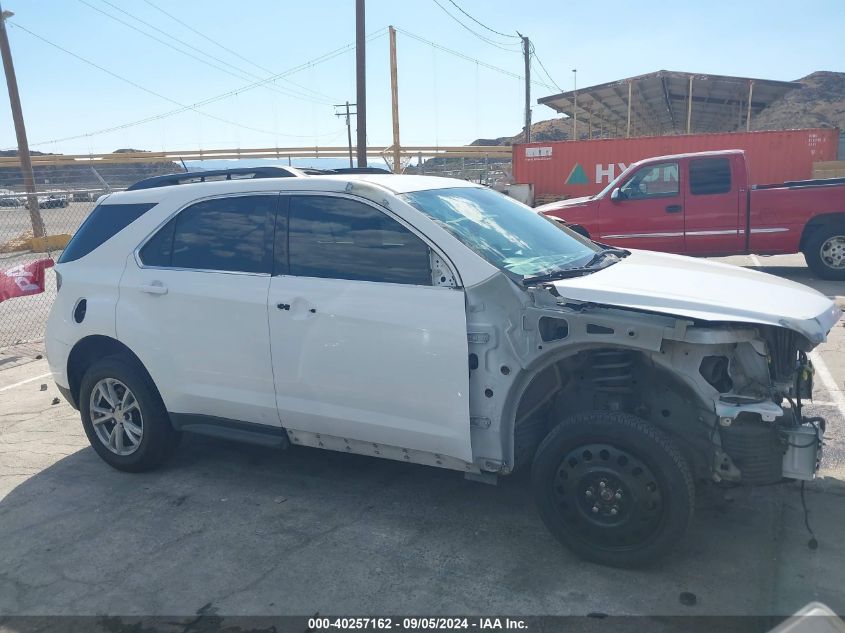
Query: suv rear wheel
[[613, 488], [124, 417], [825, 252]]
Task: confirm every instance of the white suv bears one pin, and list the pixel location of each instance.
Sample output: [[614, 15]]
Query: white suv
[[437, 322]]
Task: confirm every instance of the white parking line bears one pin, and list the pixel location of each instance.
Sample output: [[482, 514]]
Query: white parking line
[[23, 382], [828, 381], [755, 260]]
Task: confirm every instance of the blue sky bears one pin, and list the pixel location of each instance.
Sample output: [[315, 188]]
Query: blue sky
[[444, 99]]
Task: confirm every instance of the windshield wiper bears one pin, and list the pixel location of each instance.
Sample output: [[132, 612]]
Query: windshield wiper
[[590, 267]]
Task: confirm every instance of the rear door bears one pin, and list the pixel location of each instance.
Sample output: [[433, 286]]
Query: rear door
[[713, 209], [648, 212], [364, 346], [193, 306]]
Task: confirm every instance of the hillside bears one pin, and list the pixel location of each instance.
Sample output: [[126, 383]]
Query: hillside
[[819, 102]]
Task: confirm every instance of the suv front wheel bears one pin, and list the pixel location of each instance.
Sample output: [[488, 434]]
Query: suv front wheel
[[613, 488], [124, 417]]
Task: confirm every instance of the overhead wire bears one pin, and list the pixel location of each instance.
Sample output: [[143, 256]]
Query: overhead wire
[[239, 74], [468, 58], [231, 51], [193, 106], [479, 23], [499, 45], [540, 61]]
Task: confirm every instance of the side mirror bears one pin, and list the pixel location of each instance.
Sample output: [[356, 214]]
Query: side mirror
[[616, 194]]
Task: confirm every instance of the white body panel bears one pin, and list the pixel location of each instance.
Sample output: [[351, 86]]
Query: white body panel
[[710, 291], [377, 362], [205, 341]]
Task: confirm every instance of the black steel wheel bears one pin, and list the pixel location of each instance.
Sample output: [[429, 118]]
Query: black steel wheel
[[613, 488]]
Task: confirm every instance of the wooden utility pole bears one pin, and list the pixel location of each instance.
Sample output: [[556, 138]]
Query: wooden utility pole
[[526, 51], [348, 127], [750, 97], [361, 79], [394, 99], [689, 107], [20, 129]]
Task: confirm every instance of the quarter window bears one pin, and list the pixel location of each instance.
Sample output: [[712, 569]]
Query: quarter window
[[708, 176], [229, 234], [339, 238], [105, 221]]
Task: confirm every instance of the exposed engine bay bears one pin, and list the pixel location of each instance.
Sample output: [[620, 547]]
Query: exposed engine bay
[[730, 394]]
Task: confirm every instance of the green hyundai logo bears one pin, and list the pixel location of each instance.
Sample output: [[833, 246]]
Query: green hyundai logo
[[577, 176]]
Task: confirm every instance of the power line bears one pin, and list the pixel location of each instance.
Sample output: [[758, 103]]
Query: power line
[[308, 64], [136, 85], [499, 45], [238, 75], [231, 51], [468, 58], [455, 4], [539, 61]]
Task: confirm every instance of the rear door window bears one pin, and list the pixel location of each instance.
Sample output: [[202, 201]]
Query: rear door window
[[104, 222], [709, 176], [227, 234], [339, 238]]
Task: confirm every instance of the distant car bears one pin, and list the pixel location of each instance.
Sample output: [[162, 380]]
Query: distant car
[[83, 196], [10, 201], [53, 201]]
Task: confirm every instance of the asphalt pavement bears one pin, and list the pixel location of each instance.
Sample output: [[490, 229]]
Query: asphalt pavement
[[235, 530]]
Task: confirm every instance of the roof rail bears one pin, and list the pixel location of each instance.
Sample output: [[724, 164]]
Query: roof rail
[[360, 170], [201, 176]]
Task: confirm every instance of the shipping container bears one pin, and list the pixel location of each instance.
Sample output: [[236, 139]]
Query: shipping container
[[559, 169]]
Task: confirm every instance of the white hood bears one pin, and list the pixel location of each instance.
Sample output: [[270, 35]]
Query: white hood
[[705, 290]]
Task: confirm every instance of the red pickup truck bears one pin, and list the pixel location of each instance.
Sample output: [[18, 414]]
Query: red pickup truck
[[701, 204]]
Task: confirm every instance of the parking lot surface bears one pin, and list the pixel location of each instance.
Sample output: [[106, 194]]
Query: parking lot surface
[[235, 530]]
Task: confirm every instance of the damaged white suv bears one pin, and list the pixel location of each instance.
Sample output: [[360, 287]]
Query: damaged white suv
[[436, 322]]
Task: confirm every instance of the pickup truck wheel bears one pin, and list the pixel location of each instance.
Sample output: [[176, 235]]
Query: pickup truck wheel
[[825, 252], [123, 416], [613, 488]]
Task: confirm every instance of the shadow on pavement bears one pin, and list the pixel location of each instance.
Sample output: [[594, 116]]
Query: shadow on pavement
[[239, 530]]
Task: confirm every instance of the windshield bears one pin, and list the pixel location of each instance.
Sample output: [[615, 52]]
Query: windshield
[[503, 231]]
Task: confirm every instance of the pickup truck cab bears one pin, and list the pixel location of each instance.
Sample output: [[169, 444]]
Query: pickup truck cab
[[700, 204], [435, 322]]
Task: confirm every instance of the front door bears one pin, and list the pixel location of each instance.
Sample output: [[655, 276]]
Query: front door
[[648, 212], [364, 346], [193, 306]]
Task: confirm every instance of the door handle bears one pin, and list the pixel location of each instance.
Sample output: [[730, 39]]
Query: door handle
[[674, 208], [153, 288], [283, 306]]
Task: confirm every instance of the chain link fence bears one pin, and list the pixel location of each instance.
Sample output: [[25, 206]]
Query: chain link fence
[[66, 194]]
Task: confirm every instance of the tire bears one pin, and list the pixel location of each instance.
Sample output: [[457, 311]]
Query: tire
[[612, 488], [825, 252], [157, 436]]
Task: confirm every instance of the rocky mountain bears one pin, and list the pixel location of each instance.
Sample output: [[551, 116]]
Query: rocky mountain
[[819, 102]]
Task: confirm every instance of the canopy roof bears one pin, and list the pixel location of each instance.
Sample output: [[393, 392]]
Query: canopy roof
[[659, 104]]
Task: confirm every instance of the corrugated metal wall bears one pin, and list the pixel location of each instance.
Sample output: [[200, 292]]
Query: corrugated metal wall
[[583, 168]]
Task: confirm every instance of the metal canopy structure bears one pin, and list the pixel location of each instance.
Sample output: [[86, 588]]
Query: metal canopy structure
[[667, 102]]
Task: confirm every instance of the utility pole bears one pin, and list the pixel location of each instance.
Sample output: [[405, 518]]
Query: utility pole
[[394, 98], [20, 129], [526, 51], [348, 126], [361, 79], [575, 109]]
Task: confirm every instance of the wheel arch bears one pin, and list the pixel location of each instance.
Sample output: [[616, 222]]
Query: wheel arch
[[90, 349], [529, 382], [819, 222]]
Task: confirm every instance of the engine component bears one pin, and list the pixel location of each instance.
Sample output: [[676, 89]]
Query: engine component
[[803, 451], [783, 353], [756, 449]]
